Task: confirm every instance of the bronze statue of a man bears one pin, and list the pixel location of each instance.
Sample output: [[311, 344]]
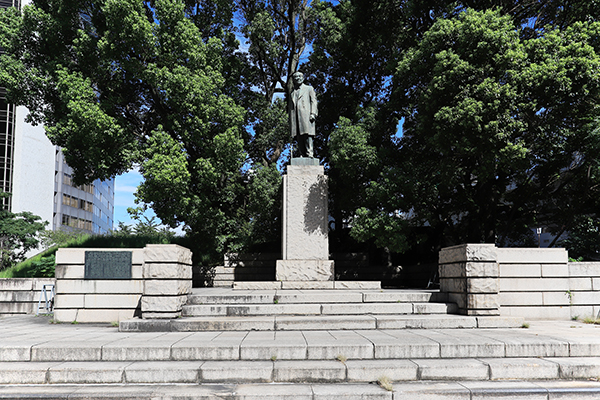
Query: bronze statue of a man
[[303, 112]]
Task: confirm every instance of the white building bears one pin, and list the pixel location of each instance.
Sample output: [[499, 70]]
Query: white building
[[34, 171]]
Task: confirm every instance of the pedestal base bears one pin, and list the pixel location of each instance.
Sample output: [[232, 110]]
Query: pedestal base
[[304, 270]]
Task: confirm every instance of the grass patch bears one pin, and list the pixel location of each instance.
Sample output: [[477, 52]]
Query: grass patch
[[525, 325], [591, 320]]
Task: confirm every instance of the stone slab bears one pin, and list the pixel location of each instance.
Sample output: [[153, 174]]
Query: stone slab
[[262, 285], [307, 285], [342, 322], [167, 253], [309, 371], [372, 370], [236, 371], [304, 270], [457, 369], [167, 287], [167, 271], [163, 372], [521, 368], [305, 227], [87, 372], [532, 255], [370, 285], [468, 252]]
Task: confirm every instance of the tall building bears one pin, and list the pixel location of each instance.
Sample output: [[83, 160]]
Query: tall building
[[34, 171]]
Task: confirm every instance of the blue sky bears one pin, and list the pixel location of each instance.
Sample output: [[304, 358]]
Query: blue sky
[[125, 186]]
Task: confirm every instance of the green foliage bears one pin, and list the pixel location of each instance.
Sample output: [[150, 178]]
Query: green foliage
[[43, 268], [18, 234], [61, 237], [583, 242]]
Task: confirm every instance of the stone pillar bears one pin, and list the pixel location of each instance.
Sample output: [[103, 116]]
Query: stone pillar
[[167, 273], [305, 246], [469, 275]]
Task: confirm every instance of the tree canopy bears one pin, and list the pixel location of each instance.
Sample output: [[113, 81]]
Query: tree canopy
[[476, 120]]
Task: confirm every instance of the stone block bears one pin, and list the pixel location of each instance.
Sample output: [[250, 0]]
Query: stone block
[[452, 369], [370, 285], [584, 269], [265, 285], [453, 285], [24, 373], [165, 287], [304, 270], [87, 372], [548, 312], [274, 392], [70, 256], [483, 301], [480, 312], [581, 284], [482, 285], [67, 351], [468, 252], [520, 270], [309, 371], [350, 392], [532, 255], [521, 368], [15, 351], [533, 284], [596, 284], [431, 391], [65, 315], [163, 372], [372, 370], [167, 253], [103, 315], [161, 315], [38, 283], [236, 371], [163, 303], [366, 308], [520, 298], [167, 271], [460, 299], [17, 308], [70, 271], [500, 322], [297, 322], [585, 298], [69, 301], [305, 214], [578, 367], [75, 286], [8, 284], [307, 285], [555, 270], [435, 308], [506, 390], [111, 300], [555, 299], [19, 296]]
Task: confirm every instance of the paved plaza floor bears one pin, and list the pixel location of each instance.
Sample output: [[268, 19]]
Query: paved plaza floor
[[548, 360]]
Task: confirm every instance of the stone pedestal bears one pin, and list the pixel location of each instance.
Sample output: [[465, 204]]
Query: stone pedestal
[[469, 275], [305, 247]]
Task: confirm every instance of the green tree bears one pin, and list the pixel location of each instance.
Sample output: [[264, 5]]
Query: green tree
[[18, 235], [120, 83], [499, 132]]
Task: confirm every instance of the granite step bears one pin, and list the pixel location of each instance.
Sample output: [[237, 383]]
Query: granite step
[[338, 369], [227, 296], [317, 309], [445, 390], [318, 322]]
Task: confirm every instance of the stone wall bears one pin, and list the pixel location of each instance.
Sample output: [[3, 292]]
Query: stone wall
[[21, 295], [95, 300], [522, 282], [160, 279]]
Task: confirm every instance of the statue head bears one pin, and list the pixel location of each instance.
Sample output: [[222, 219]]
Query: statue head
[[298, 78]]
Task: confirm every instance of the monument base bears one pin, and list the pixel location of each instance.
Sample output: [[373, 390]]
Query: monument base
[[306, 285], [304, 270]]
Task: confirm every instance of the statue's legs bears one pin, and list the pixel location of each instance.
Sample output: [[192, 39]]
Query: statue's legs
[[305, 146]]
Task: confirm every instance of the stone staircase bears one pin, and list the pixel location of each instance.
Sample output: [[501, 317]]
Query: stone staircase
[[218, 309], [302, 345]]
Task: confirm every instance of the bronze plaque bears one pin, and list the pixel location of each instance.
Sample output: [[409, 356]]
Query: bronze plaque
[[107, 265]]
